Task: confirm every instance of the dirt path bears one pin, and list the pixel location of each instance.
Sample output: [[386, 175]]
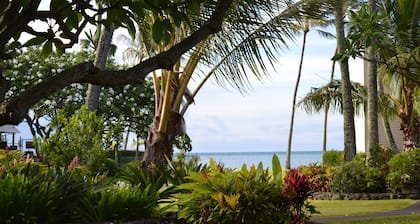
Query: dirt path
[[411, 210]]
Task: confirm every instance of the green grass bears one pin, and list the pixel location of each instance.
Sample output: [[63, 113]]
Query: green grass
[[409, 219], [357, 207]]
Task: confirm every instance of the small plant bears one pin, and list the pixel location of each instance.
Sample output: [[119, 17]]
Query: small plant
[[332, 158]]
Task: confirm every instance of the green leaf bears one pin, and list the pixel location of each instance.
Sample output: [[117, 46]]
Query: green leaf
[[157, 30], [46, 49], [276, 168], [35, 41]]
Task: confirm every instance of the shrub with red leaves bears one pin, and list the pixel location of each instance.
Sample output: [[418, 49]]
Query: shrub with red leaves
[[297, 189]]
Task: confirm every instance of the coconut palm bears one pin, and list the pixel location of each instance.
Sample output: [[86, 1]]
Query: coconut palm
[[305, 28], [372, 90], [251, 35], [348, 111]]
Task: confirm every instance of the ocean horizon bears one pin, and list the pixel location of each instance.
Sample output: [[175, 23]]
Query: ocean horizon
[[237, 159]]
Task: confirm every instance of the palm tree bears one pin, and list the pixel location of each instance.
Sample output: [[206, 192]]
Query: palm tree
[[396, 33], [305, 27], [372, 90], [101, 56], [228, 56], [348, 111]]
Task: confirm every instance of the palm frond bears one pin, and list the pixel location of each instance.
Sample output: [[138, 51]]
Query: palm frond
[[247, 43]]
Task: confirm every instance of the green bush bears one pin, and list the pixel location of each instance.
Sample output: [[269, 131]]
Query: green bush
[[118, 203], [356, 177], [78, 136], [403, 170], [332, 158], [45, 197], [217, 195], [318, 176]]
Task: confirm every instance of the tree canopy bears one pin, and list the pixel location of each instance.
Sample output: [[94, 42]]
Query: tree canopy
[[65, 21]]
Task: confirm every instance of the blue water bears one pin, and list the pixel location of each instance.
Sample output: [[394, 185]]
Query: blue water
[[237, 159]]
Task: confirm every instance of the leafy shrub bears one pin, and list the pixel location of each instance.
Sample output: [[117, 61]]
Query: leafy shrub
[[297, 189], [217, 195], [379, 156], [118, 203], [332, 158], [403, 170], [317, 176], [356, 177], [47, 197], [80, 135]]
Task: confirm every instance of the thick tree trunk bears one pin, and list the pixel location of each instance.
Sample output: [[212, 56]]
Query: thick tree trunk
[[159, 146], [104, 44], [292, 119], [411, 132], [372, 96], [348, 111]]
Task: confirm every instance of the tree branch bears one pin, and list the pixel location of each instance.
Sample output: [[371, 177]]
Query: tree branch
[[15, 110]]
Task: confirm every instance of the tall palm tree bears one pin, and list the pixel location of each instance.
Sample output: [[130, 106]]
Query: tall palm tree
[[348, 111], [246, 40], [305, 28], [372, 90]]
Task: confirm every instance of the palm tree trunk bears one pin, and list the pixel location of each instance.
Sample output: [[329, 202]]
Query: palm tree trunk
[[372, 96], [327, 108], [289, 144], [104, 44], [159, 145], [348, 112]]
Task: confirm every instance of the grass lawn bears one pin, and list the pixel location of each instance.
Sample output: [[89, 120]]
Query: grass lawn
[[357, 207], [409, 219]]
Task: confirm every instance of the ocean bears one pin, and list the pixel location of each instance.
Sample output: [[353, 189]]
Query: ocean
[[237, 159]]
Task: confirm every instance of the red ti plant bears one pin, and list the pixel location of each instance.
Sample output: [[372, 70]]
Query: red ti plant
[[297, 189]]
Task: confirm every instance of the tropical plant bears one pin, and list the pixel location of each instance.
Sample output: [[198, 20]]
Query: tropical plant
[[41, 197], [332, 158], [217, 195], [118, 203], [305, 27], [394, 29], [77, 137], [318, 177], [251, 31], [356, 177], [348, 111], [403, 170]]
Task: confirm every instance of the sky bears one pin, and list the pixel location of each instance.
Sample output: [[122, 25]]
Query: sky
[[224, 120]]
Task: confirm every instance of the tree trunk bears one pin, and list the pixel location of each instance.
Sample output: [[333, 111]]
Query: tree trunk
[[104, 44], [387, 127], [372, 96], [410, 124], [348, 112], [289, 144], [327, 108], [159, 146]]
